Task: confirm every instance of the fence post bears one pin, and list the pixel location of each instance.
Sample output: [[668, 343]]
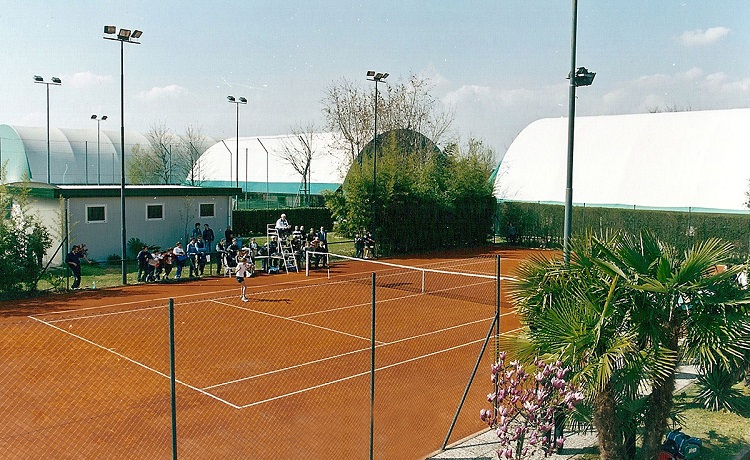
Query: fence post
[[172, 379], [372, 372]]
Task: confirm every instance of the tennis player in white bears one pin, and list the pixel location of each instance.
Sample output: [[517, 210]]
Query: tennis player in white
[[243, 271]]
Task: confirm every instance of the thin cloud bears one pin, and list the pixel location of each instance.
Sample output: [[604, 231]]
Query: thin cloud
[[166, 92], [706, 37], [86, 79]]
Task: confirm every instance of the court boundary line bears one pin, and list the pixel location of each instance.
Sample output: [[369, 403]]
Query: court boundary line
[[399, 363], [301, 390], [360, 350], [137, 363]]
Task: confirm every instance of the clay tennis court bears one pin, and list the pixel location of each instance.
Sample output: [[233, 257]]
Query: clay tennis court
[[284, 375]]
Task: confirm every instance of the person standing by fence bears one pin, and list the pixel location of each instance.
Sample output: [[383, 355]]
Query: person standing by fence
[[74, 262], [208, 238]]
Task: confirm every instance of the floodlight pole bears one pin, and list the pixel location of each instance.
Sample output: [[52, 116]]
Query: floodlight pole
[[377, 77], [56, 82], [237, 103], [578, 77], [98, 147], [124, 36]]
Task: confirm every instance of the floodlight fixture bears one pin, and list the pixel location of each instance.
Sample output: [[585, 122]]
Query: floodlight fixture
[[123, 34], [583, 77], [109, 29], [137, 34], [230, 98], [56, 81], [370, 73], [37, 78], [243, 100]]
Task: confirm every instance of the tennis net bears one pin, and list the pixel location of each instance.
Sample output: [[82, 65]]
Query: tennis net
[[473, 287]]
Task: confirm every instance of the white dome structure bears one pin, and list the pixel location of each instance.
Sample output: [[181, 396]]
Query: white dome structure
[[674, 160], [263, 167]]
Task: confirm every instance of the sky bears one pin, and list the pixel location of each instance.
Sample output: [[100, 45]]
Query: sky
[[498, 65]]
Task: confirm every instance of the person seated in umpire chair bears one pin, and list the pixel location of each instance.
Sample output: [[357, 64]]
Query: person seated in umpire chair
[[283, 228]]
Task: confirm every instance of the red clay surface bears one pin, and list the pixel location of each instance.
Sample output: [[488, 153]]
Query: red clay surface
[[285, 375]]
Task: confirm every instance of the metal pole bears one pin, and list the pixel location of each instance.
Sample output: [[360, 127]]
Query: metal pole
[[372, 372], [98, 154], [571, 131], [122, 161], [49, 177], [471, 379], [86, 144], [375, 163], [237, 159], [497, 321], [172, 378]]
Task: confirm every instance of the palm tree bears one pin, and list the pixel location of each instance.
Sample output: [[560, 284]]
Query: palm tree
[[575, 313], [684, 308], [622, 315]]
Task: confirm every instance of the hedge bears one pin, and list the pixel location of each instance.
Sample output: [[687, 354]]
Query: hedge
[[535, 223]]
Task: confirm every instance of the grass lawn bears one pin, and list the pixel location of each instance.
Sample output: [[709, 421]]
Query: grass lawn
[[724, 434]]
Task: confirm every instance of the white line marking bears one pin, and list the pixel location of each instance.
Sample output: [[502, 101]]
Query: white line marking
[[120, 355], [290, 319], [304, 390]]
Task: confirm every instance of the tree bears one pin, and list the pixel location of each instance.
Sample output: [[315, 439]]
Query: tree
[[349, 108], [424, 199], [154, 163], [23, 239], [300, 152], [168, 159], [614, 315], [193, 144], [682, 302], [528, 408]]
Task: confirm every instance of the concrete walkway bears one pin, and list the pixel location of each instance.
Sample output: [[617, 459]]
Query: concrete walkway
[[484, 445]]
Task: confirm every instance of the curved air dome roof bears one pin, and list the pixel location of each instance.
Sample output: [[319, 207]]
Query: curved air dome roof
[[73, 154], [262, 164], [669, 160]]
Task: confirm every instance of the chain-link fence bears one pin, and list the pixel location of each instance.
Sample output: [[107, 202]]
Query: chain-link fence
[[329, 365]]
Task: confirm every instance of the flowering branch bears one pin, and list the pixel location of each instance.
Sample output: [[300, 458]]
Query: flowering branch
[[529, 410]]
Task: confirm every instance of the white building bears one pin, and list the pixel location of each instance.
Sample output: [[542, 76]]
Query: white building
[[674, 160], [158, 215], [263, 168]]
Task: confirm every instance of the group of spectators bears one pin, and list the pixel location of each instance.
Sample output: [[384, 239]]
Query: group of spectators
[[292, 241], [364, 245], [158, 265]]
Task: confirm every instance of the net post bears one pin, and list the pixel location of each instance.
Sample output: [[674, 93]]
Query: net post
[[307, 263], [172, 379]]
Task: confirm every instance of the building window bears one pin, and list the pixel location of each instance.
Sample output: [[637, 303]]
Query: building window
[[96, 214], [207, 210], [154, 211]]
